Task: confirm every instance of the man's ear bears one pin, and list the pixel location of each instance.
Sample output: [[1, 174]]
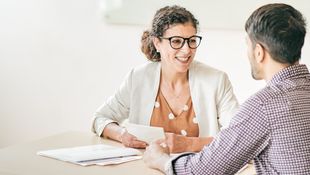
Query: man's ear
[[259, 53]]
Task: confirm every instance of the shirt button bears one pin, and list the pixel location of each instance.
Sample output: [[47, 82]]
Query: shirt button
[[185, 108], [171, 116], [183, 132], [195, 120], [157, 104]]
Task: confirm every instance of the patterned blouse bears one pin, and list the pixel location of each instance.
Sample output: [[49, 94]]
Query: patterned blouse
[[184, 123]]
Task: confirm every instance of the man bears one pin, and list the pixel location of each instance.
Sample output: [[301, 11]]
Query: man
[[273, 126]]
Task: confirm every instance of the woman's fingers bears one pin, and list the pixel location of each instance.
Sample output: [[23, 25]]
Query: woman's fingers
[[129, 140], [138, 144]]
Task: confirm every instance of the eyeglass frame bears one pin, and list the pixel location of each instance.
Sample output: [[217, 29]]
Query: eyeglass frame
[[184, 39]]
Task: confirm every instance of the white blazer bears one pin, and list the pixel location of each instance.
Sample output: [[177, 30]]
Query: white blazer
[[212, 95]]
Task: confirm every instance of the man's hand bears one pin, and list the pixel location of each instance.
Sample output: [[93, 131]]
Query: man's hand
[[156, 155]]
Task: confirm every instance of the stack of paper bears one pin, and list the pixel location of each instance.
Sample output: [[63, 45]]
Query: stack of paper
[[93, 154]]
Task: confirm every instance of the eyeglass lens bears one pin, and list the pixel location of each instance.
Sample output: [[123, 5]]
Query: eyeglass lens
[[178, 42]]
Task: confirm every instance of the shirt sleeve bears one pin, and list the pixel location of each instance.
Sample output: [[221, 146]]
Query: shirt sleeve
[[168, 165], [246, 136], [115, 109]]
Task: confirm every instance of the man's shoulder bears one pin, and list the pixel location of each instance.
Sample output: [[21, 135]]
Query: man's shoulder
[[261, 97], [252, 107]]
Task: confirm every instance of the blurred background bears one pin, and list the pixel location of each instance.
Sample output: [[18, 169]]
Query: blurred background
[[61, 59]]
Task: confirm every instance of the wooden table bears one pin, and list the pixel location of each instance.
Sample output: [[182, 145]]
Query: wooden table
[[22, 159]]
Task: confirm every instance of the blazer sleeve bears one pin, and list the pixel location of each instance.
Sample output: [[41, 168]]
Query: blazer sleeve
[[115, 109], [227, 103]]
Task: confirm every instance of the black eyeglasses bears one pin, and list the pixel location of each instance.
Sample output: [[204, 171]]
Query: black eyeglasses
[[177, 42]]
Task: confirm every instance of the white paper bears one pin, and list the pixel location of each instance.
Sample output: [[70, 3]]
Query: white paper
[[145, 133], [93, 154], [112, 161]]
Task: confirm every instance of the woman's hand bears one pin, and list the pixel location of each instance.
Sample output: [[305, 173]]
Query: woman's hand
[[130, 140], [116, 132], [178, 143]]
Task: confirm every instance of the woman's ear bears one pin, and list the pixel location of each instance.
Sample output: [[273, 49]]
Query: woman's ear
[[259, 53], [156, 42]]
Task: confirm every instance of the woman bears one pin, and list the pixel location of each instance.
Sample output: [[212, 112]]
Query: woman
[[189, 99]]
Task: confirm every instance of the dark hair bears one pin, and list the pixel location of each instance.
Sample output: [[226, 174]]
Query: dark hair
[[163, 19], [280, 29]]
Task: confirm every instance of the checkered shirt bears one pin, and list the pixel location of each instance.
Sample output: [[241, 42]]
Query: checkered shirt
[[272, 127]]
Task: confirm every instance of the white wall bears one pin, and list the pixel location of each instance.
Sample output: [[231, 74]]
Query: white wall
[[59, 62]]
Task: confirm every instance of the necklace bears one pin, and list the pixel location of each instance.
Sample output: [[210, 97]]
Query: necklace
[[177, 102]]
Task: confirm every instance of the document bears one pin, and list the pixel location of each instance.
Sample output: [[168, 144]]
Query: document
[[100, 154], [145, 133]]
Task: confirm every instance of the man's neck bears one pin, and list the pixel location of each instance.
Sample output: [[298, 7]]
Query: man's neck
[[273, 67]]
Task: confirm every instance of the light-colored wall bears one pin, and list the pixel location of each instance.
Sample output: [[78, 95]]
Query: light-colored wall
[[59, 62]]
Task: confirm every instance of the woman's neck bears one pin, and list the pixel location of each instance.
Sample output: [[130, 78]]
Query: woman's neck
[[174, 78]]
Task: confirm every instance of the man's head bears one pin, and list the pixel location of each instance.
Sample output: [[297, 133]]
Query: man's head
[[277, 29]]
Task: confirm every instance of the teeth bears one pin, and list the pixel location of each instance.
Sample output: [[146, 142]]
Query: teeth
[[182, 59]]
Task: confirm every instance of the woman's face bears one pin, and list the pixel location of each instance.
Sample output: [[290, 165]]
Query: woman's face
[[177, 60]]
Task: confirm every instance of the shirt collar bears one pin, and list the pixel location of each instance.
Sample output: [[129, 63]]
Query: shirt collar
[[296, 71]]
